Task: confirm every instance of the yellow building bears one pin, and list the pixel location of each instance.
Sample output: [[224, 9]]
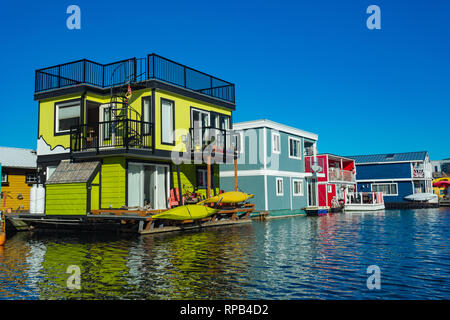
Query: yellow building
[[136, 118], [18, 174]]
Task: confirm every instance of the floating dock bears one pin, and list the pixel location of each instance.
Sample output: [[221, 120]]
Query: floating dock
[[134, 221]]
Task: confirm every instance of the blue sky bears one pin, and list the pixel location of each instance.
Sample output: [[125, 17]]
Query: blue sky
[[309, 64]]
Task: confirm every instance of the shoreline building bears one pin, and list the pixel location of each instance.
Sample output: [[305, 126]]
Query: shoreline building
[[108, 133], [271, 166], [396, 175], [18, 175]]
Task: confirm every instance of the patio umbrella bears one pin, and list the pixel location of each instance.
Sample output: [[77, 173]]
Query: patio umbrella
[[441, 184]]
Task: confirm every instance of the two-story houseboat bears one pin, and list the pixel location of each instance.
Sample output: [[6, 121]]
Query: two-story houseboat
[[271, 167], [109, 133], [405, 179]]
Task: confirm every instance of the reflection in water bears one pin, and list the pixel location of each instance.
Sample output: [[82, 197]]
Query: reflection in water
[[294, 258]]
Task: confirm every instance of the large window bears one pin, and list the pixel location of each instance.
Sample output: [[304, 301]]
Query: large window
[[388, 189], [67, 115], [279, 186], [294, 148], [167, 122], [297, 187], [276, 142]]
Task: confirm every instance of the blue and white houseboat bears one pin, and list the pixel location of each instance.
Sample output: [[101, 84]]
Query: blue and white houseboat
[[405, 179], [271, 166]]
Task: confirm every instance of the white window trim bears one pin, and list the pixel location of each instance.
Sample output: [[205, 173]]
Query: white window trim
[[64, 104], [302, 193], [385, 195], [299, 145], [273, 144], [282, 187], [4, 175], [34, 176]]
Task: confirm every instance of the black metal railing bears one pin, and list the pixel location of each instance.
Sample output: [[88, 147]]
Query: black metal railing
[[124, 133], [132, 70], [214, 140]]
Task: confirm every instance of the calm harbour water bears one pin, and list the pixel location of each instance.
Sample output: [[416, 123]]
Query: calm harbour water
[[292, 258]]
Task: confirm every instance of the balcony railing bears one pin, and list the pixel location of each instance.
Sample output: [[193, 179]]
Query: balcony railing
[[335, 174], [314, 165], [214, 140], [126, 133], [132, 70]]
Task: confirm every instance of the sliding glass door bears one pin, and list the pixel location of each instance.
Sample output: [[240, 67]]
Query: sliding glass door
[[148, 185]]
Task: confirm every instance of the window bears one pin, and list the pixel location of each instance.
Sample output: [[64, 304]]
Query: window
[[167, 122], [31, 178], [276, 143], [330, 189], [297, 188], [4, 177], [146, 115], [202, 178], [49, 172], [388, 189], [67, 114], [294, 148], [279, 186]]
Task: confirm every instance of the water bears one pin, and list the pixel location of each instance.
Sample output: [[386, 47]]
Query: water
[[293, 258]]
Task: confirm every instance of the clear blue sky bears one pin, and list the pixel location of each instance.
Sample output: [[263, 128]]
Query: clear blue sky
[[309, 64]]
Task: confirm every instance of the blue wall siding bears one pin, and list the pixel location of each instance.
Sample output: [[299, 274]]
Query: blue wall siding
[[404, 188], [282, 161], [383, 171], [251, 184]]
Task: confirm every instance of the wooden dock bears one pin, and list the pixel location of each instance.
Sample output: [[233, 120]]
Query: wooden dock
[[135, 221]]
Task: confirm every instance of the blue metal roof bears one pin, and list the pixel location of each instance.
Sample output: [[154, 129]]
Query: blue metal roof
[[390, 157]]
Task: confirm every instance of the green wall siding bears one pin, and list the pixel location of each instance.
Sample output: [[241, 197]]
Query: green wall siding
[[188, 177], [113, 182], [66, 199]]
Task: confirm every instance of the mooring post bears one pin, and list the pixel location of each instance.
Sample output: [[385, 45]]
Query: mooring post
[[208, 179], [235, 175]]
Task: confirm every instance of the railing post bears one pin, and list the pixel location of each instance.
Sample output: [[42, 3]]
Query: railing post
[[126, 134], [84, 70], [59, 76]]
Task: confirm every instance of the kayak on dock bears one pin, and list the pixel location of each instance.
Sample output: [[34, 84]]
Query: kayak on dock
[[228, 197], [187, 212]]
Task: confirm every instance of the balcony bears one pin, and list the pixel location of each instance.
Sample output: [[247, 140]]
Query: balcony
[[134, 70], [123, 134], [214, 140], [335, 174]]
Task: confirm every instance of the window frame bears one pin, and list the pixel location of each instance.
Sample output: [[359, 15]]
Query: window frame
[[4, 174], [66, 103], [147, 130], [205, 170], [161, 121], [279, 194], [276, 134], [35, 178], [300, 194], [389, 184], [299, 157]]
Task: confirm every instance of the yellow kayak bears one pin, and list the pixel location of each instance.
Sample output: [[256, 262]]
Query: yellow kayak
[[187, 212], [229, 197]]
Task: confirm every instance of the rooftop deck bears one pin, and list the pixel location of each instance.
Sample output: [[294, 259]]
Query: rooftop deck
[[134, 70]]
